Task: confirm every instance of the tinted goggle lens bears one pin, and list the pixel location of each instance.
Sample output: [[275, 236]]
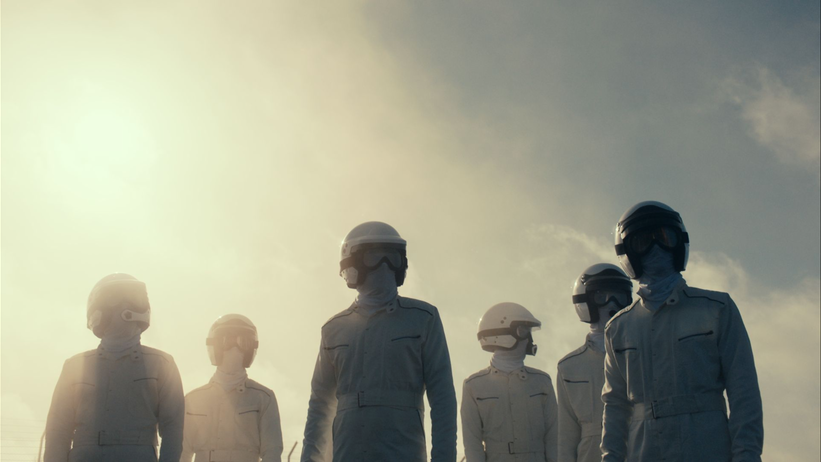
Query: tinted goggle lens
[[372, 258], [244, 340], [665, 236], [602, 297]]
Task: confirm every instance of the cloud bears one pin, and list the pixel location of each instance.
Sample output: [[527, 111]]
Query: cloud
[[781, 118]]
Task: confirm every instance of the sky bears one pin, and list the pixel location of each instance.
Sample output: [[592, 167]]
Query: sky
[[221, 152]]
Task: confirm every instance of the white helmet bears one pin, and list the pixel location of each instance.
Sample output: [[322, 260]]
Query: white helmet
[[117, 291], [232, 330], [596, 286], [504, 325], [372, 235], [645, 224]]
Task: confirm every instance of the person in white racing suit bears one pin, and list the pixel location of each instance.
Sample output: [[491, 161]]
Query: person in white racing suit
[[110, 403], [508, 409], [377, 359], [599, 292], [673, 354], [232, 418]]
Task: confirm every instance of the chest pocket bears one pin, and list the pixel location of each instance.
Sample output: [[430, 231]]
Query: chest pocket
[[492, 413], [629, 361], [536, 401], [85, 398], [196, 427], [580, 395], [403, 360], [143, 399], [698, 350], [247, 419], [339, 354]]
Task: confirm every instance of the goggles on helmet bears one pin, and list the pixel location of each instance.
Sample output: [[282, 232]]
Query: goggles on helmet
[[134, 295], [225, 339], [599, 298], [641, 241], [373, 257]]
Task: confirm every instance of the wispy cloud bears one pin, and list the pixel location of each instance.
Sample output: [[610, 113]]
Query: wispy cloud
[[782, 118]]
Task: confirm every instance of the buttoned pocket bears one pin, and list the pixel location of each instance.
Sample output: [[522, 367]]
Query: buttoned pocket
[[143, 400], [629, 362], [491, 411], [247, 419], [580, 396]]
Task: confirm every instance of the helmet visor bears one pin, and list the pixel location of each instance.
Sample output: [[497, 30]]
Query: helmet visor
[[665, 236], [372, 258], [602, 297], [225, 339]]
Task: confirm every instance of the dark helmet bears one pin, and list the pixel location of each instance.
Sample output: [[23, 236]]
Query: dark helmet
[[645, 224]]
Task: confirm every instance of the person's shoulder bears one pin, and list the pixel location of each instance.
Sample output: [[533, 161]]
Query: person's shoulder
[[478, 374], [414, 304], [622, 314], [538, 373], [567, 359], [155, 353], [258, 388], [193, 394], [694, 293], [341, 315], [81, 357]]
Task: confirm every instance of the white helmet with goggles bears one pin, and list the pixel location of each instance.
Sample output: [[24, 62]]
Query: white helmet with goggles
[[644, 225], [369, 245], [597, 286], [229, 331], [117, 294], [504, 325]]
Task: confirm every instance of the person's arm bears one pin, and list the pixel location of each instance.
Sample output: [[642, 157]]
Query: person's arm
[[60, 423], [570, 432], [618, 410], [746, 421], [270, 432], [171, 416], [471, 427], [551, 425], [318, 441], [441, 395], [188, 430]]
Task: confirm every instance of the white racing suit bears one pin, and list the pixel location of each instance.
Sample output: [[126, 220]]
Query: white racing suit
[[369, 382], [579, 384], [509, 417], [110, 407], [665, 377], [237, 425]]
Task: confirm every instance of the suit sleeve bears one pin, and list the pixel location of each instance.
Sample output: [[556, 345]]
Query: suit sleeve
[[171, 417], [60, 422], [570, 432], [270, 433], [318, 442], [551, 424], [746, 422], [617, 408], [441, 395], [471, 426]]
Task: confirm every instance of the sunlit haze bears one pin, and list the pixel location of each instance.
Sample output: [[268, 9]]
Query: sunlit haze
[[220, 151]]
